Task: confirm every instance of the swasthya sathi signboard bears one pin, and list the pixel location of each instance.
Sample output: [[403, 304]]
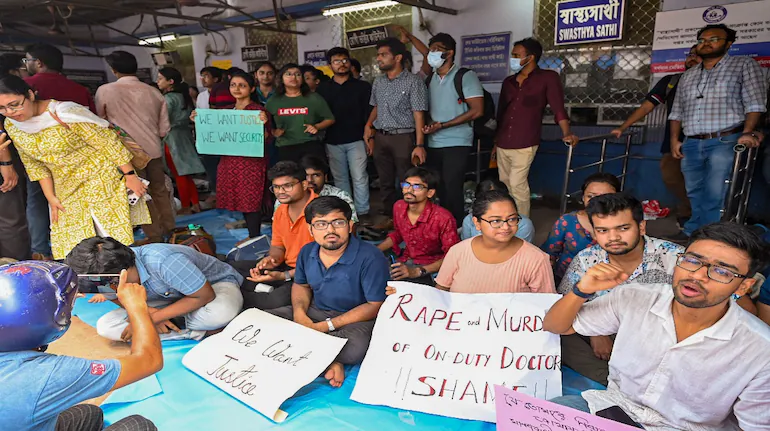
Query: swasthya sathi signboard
[[588, 21], [676, 32]]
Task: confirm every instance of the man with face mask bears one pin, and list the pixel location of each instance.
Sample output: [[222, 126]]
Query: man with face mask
[[688, 357], [670, 167], [620, 233], [718, 105], [520, 111]]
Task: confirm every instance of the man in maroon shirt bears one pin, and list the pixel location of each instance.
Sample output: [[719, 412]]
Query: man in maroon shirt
[[428, 230], [45, 63], [522, 103]]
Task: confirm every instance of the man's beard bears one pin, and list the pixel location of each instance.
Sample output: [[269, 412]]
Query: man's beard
[[714, 53], [699, 302], [336, 245], [625, 250]]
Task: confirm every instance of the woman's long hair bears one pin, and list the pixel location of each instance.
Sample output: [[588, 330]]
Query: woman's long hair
[[281, 88], [179, 86], [12, 84]]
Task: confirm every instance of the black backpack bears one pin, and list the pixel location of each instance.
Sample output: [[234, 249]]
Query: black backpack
[[484, 126]]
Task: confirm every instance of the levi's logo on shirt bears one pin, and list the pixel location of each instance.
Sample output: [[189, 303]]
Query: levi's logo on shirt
[[293, 111], [97, 369]]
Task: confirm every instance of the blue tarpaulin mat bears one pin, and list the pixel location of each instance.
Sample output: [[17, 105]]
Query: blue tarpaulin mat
[[213, 221]]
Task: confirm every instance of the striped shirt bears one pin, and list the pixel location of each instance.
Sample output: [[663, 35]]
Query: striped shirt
[[718, 99], [528, 270]]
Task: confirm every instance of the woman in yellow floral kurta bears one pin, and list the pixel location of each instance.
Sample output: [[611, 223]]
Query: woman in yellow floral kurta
[[85, 162]]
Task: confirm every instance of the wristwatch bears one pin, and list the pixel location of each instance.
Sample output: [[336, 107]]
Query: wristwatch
[[287, 274], [579, 293], [331, 325], [131, 172], [422, 270]]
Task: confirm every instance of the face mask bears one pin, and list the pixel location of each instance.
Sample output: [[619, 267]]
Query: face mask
[[516, 65], [435, 59]]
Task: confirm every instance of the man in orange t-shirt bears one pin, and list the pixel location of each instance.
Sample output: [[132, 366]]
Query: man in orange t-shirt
[[290, 234]]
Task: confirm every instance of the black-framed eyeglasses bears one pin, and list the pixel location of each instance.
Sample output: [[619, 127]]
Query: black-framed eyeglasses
[[498, 223], [283, 187], [338, 61], [13, 107], [336, 223], [416, 187], [717, 273], [711, 40]]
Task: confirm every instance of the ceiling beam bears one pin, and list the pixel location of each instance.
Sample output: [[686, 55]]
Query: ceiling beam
[[227, 5], [156, 13], [15, 31], [425, 5]]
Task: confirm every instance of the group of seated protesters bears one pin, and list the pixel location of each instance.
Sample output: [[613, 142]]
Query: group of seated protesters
[[687, 357]]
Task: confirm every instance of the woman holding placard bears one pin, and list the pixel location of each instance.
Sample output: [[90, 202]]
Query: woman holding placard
[[179, 148], [240, 179], [299, 116]]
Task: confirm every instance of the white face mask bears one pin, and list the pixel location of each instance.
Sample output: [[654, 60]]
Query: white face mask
[[435, 59], [516, 65]]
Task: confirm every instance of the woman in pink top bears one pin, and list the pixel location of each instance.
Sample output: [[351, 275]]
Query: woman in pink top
[[496, 261]]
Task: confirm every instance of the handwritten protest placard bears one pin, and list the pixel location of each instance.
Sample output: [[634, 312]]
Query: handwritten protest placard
[[519, 411], [442, 353], [229, 132], [262, 360]]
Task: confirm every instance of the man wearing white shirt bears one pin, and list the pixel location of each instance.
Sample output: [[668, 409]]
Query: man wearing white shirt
[[686, 356]]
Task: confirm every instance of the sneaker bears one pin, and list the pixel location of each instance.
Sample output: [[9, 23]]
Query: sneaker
[[365, 220]]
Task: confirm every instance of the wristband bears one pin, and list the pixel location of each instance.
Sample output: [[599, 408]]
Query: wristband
[[6, 163], [331, 325], [131, 172], [287, 275], [579, 293]]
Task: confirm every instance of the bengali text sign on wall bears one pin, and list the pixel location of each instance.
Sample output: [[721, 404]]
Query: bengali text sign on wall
[[442, 353], [676, 32], [262, 360], [518, 411], [488, 55], [229, 132], [366, 37], [587, 21]]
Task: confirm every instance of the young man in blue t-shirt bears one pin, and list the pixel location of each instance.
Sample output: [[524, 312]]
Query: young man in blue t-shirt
[[41, 391], [339, 284]]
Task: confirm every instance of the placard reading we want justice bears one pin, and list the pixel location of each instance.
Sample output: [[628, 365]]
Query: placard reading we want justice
[[442, 353], [262, 360], [229, 132]]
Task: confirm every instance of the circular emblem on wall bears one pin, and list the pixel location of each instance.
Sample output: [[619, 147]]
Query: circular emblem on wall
[[714, 14]]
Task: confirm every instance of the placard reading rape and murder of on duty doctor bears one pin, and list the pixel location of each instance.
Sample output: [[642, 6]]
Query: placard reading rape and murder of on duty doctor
[[228, 132]]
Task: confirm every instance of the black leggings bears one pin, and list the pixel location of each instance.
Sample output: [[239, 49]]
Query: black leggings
[[253, 223]]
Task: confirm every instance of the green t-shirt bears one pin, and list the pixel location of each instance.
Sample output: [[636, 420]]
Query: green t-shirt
[[292, 113]]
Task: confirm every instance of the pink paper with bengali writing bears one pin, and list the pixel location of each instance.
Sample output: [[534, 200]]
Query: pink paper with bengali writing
[[518, 411]]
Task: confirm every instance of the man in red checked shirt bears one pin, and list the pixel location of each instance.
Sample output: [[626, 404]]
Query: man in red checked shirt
[[428, 230]]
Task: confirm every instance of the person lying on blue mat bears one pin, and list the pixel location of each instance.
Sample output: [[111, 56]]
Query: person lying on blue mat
[[188, 293], [686, 356], [339, 283], [40, 391]]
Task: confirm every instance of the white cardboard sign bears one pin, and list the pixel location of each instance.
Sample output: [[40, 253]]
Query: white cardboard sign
[[262, 360], [442, 353]]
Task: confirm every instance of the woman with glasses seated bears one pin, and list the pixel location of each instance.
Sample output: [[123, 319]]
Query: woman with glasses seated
[[83, 167], [241, 180], [299, 116], [572, 232], [526, 229], [497, 261]]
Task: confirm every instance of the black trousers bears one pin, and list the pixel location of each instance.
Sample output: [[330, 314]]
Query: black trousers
[[14, 233], [296, 152], [450, 164], [87, 417], [392, 157], [279, 297]]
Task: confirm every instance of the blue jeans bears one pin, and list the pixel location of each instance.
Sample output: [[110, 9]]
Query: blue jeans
[[574, 401], [707, 164], [37, 219], [346, 161]]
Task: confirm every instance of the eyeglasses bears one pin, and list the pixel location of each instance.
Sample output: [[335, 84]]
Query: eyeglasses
[[323, 224], [711, 40], [28, 60], [283, 187], [14, 107], [498, 223], [717, 273], [338, 61], [295, 74], [416, 187]]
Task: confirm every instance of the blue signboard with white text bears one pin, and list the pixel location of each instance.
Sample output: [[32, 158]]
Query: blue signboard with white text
[[487, 55], [588, 21]]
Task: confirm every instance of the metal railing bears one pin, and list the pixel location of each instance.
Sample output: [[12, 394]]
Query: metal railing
[[739, 191], [566, 195]]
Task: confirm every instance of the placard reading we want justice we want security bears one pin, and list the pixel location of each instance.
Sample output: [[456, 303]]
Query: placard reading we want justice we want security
[[431, 351]]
